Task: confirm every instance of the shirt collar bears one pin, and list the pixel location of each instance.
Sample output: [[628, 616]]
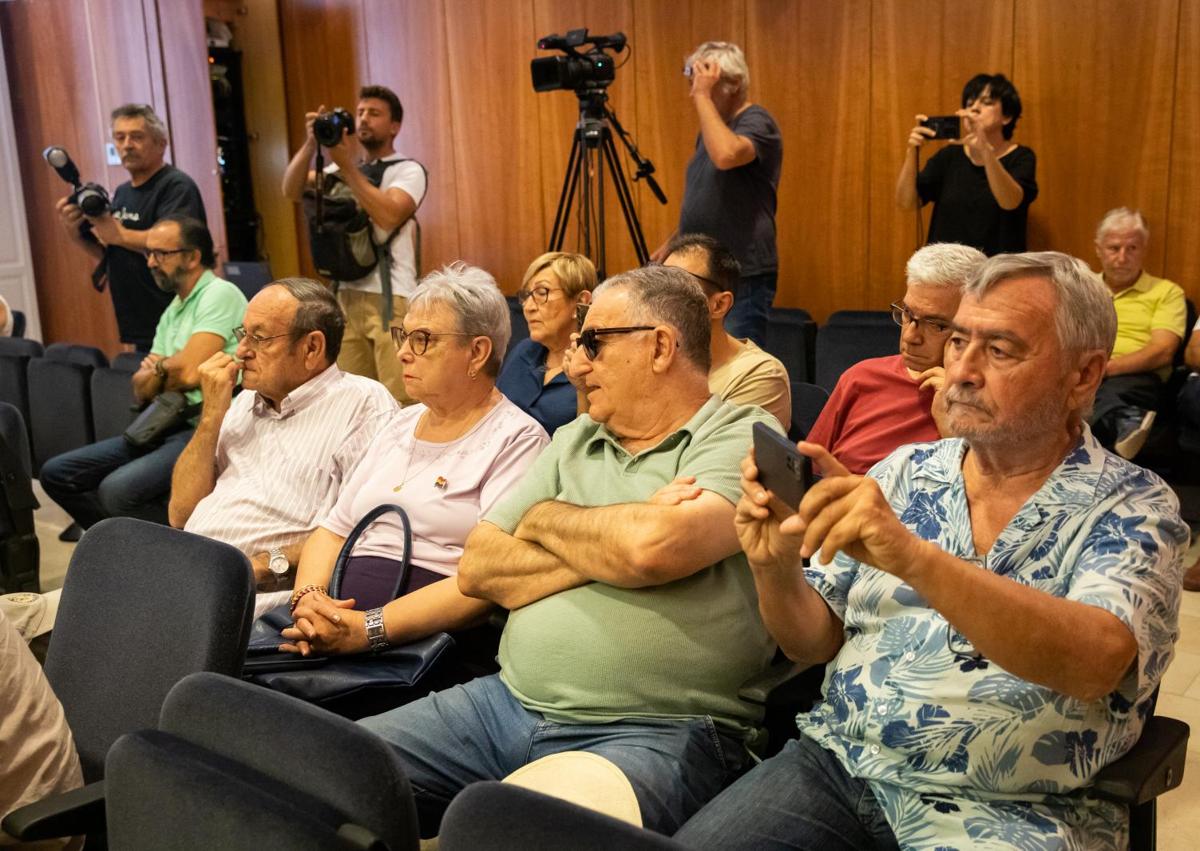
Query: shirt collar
[[203, 281], [1143, 284], [603, 435], [299, 397]]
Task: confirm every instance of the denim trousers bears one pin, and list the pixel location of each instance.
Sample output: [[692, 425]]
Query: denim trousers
[[748, 316], [800, 798], [110, 478], [479, 731]]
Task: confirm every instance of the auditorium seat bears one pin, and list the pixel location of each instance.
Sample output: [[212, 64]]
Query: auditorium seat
[[249, 276], [808, 400], [841, 345], [861, 317], [60, 399], [520, 328], [15, 355], [18, 329], [792, 337], [143, 606], [266, 771], [112, 401]]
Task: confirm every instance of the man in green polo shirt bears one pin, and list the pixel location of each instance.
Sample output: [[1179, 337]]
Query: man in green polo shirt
[[1151, 315], [111, 478], [634, 620]]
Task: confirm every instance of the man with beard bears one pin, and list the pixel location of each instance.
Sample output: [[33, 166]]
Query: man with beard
[[996, 609], [112, 478], [389, 188]]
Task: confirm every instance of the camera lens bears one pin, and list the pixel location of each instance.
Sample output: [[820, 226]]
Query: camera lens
[[92, 203]]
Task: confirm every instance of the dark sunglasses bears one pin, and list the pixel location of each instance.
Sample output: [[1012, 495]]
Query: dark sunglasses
[[590, 341]]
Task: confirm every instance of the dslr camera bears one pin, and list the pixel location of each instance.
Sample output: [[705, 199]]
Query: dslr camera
[[92, 198], [330, 127], [576, 71]]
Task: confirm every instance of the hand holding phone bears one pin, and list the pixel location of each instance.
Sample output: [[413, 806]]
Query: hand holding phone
[[782, 470], [944, 126]]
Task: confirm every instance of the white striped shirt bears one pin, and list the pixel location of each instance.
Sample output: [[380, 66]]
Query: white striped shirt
[[279, 472]]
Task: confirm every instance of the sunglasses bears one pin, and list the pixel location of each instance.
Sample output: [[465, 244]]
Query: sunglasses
[[590, 339]]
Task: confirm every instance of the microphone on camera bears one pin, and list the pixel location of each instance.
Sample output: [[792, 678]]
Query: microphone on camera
[[61, 162]]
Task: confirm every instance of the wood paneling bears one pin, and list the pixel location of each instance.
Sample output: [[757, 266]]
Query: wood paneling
[[1179, 235]]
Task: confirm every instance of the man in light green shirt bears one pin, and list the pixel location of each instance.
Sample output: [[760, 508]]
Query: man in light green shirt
[[111, 478], [634, 620]]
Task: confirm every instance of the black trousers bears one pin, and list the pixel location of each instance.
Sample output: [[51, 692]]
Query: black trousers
[[1122, 399]]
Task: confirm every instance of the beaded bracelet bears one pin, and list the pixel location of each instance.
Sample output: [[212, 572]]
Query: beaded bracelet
[[297, 596]]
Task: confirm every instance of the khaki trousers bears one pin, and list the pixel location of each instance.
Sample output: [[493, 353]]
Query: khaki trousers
[[367, 347]]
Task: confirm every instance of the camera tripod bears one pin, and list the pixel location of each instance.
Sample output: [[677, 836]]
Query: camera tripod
[[592, 149]]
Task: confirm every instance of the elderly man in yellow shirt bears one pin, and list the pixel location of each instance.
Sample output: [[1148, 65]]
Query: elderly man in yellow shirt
[[1151, 320]]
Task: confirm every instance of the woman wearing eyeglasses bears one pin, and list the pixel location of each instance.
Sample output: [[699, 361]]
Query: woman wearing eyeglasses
[[554, 287], [445, 461]]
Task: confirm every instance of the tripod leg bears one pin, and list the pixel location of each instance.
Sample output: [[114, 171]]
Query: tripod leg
[[601, 257], [565, 198], [626, 198]]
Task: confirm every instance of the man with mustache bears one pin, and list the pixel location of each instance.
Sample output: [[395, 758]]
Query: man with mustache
[[995, 610], [155, 189], [112, 478]]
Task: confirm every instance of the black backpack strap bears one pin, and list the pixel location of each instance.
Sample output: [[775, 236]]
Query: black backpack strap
[[383, 250]]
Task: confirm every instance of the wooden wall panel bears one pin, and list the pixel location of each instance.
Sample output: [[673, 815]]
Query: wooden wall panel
[[406, 50], [817, 53], [1098, 80], [1180, 236]]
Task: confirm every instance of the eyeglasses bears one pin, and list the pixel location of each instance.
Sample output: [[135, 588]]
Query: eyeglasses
[[589, 339], [902, 316], [418, 340], [253, 340], [159, 254], [540, 295]]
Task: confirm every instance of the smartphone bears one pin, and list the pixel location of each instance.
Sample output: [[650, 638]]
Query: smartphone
[[944, 126], [581, 310], [781, 468]]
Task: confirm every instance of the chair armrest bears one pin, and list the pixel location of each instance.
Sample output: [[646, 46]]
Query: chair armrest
[[74, 813], [1153, 766]]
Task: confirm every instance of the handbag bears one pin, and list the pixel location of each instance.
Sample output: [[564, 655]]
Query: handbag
[[320, 679], [166, 414]]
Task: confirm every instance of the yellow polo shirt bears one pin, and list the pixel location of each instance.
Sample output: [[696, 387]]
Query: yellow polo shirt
[[1150, 304]]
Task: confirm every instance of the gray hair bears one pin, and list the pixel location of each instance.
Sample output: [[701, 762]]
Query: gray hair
[[665, 295], [1121, 219], [154, 124], [943, 264], [1084, 317], [729, 58], [473, 296], [318, 311]]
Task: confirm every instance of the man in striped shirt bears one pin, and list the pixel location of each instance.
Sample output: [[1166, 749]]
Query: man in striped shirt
[[264, 467]]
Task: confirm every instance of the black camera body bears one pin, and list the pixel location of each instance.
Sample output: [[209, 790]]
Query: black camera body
[[944, 126], [91, 198], [330, 127], [578, 72]]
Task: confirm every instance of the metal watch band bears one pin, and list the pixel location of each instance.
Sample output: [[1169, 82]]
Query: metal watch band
[[376, 634], [274, 556]]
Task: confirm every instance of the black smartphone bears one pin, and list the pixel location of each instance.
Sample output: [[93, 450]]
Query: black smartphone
[[781, 468], [581, 310], [944, 126]]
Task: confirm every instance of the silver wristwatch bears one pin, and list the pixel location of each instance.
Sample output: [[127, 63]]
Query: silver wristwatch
[[376, 634], [278, 563]]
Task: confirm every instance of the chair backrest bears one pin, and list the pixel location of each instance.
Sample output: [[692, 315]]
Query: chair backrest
[[19, 550], [505, 817], [15, 355], [60, 407], [112, 402], [792, 337], [18, 329], [861, 317], [249, 276], [520, 328], [143, 606], [840, 346], [262, 771], [128, 361], [808, 400], [88, 356]]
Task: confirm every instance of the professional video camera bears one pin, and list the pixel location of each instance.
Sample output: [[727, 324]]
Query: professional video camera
[[92, 198], [330, 127], [579, 72]]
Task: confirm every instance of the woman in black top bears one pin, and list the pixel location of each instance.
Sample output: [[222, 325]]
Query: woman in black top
[[981, 185]]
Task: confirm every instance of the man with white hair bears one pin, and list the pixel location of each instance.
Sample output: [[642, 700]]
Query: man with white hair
[[996, 610], [1151, 320], [881, 403], [731, 180]]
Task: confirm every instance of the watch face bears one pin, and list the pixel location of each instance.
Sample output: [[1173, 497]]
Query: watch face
[[278, 564]]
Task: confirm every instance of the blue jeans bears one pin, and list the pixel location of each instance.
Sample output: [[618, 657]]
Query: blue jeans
[[748, 316], [799, 798], [110, 478], [479, 731]]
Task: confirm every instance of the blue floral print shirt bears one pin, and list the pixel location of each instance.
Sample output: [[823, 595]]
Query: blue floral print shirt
[[958, 752]]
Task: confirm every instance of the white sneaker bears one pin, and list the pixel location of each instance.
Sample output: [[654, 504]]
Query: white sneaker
[[1131, 444]]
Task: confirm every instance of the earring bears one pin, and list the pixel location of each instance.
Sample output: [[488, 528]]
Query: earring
[[473, 375]]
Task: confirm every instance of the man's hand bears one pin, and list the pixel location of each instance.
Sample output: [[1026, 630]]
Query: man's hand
[[822, 459], [326, 626], [850, 514], [705, 76], [974, 142], [934, 377], [218, 375], [569, 355], [919, 135], [70, 215], [149, 361], [342, 154], [759, 529], [106, 229], [309, 118], [682, 489]]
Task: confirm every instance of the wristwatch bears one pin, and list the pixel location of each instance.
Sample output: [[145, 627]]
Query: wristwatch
[[278, 563], [376, 634], [160, 368]]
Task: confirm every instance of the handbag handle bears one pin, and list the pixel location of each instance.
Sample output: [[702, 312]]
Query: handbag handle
[[339, 566]]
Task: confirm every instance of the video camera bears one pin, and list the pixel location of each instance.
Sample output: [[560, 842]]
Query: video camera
[[330, 127], [578, 72], [92, 198]]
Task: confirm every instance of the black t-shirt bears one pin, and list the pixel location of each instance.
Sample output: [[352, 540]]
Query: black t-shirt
[[964, 209], [737, 206], [138, 302]]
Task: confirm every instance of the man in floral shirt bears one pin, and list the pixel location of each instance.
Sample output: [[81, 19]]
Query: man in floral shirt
[[996, 609]]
